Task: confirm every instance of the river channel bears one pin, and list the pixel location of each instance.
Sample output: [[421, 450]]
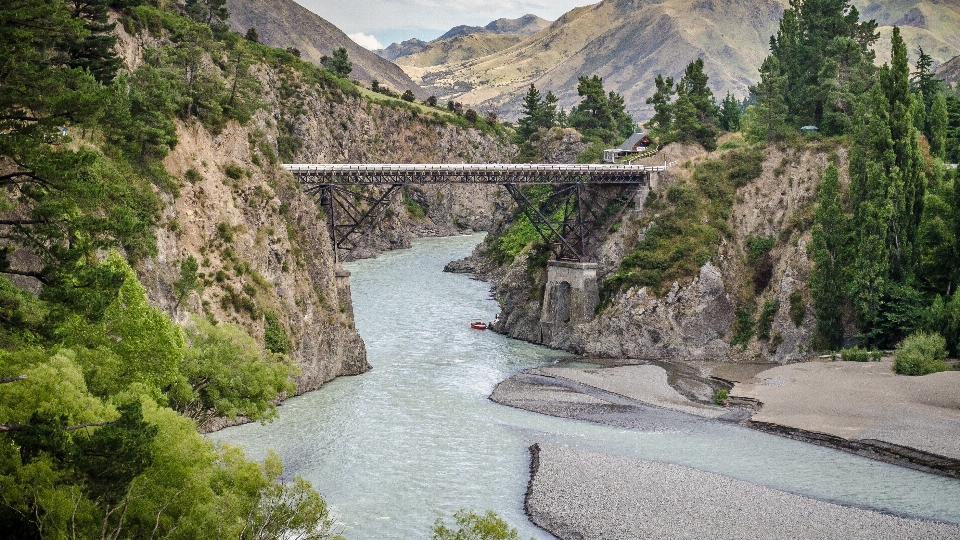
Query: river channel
[[416, 438]]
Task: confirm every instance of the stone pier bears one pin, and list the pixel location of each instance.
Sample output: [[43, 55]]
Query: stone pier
[[571, 293], [344, 296]]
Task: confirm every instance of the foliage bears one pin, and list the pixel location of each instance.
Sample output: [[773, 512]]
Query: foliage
[[743, 327], [824, 62], [90, 446], [600, 115], [729, 118], [765, 320], [473, 526], [828, 250], [856, 354], [720, 396], [690, 222], [693, 116], [538, 113], [275, 338], [920, 354], [798, 308], [339, 64]]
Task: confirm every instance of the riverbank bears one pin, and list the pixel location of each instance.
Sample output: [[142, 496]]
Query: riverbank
[[860, 408], [589, 495]]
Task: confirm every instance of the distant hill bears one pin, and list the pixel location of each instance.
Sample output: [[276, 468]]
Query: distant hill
[[950, 71], [284, 23], [446, 49], [629, 42]]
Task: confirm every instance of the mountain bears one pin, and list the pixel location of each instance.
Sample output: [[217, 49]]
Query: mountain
[[446, 48], [629, 42], [284, 23], [404, 48], [950, 71]]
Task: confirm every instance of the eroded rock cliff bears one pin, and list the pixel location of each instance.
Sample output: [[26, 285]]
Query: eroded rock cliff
[[694, 318]]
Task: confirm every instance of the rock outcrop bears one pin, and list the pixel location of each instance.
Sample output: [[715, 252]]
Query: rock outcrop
[[691, 319]]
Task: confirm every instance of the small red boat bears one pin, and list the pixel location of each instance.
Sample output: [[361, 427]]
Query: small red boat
[[478, 324]]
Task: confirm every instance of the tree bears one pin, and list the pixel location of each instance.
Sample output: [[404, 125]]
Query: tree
[[599, 114], [825, 55], [471, 116], [937, 124], [730, 114], [828, 252], [770, 110], [225, 373], [473, 526], [662, 118], [539, 112], [408, 96], [94, 52], [339, 64], [210, 12], [254, 36]]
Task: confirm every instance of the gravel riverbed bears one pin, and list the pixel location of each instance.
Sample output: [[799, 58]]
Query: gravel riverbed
[[579, 495]]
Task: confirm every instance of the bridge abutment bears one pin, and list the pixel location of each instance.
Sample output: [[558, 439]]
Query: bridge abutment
[[571, 293]]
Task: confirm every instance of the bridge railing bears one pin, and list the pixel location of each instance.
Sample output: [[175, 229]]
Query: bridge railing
[[470, 173]]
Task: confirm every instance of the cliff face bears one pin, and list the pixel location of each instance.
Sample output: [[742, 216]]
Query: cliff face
[[262, 244], [693, 319]]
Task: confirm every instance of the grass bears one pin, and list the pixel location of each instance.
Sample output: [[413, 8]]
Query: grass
[[691, 220]]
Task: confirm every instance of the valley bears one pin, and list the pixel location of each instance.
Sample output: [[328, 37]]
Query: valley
[[749, 313]]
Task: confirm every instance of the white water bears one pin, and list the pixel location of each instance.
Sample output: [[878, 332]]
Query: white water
[[416, 438]]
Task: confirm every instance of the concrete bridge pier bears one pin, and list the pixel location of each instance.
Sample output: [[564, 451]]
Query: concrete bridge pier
[[571, 294], [344, 296]]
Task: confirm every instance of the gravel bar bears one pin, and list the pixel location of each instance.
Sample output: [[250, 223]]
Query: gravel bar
[[579, 495]]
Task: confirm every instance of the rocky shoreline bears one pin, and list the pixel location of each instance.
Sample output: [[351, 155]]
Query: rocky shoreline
[[631, 395]]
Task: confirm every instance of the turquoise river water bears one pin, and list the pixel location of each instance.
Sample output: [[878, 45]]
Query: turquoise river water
[[416, 439]]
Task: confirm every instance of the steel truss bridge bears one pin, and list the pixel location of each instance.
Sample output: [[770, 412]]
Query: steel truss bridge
[[582, 198]]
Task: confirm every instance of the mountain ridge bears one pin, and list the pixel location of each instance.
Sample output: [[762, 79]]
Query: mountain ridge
[[521, 27], [286, 24], [629, 42]]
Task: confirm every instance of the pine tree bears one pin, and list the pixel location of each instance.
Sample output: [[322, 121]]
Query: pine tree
[[340, 64], [663, 110], [770, 111], [827, 250], [730, 113], [532, 111]]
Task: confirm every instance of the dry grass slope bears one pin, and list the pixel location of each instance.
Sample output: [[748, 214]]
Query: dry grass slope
[[628, 42]]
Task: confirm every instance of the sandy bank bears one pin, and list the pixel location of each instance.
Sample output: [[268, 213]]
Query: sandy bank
[[865, 404], [578, 495]]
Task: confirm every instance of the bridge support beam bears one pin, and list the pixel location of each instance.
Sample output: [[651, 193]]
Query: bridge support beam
[[571, 294]]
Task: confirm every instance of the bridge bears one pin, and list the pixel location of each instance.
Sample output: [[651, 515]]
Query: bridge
[[570, 216], [579, 201]]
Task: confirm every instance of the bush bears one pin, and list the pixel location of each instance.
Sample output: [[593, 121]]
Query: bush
[[919, 354], [742, 327], [798, 308], [855, 354], [720, 396], [765, 321]]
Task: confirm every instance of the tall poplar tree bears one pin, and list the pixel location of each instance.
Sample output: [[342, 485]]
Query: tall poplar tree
[[828, 252]]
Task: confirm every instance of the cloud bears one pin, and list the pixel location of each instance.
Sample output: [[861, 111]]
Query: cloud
[[367, 42]]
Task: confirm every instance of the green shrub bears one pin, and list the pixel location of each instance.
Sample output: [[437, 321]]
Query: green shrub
[[233, 171], [225, 231], [275, 337], [855, 354], [765, 321], [720, 396], [742, 327], [919, 354], [798, 308]]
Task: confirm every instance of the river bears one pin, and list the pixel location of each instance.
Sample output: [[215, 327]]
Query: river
[[416, 438]]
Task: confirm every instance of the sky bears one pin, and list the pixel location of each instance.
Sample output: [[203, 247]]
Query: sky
[[375, 24]]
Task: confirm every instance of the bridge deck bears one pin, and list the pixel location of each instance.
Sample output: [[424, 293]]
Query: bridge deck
[[470, 173]]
